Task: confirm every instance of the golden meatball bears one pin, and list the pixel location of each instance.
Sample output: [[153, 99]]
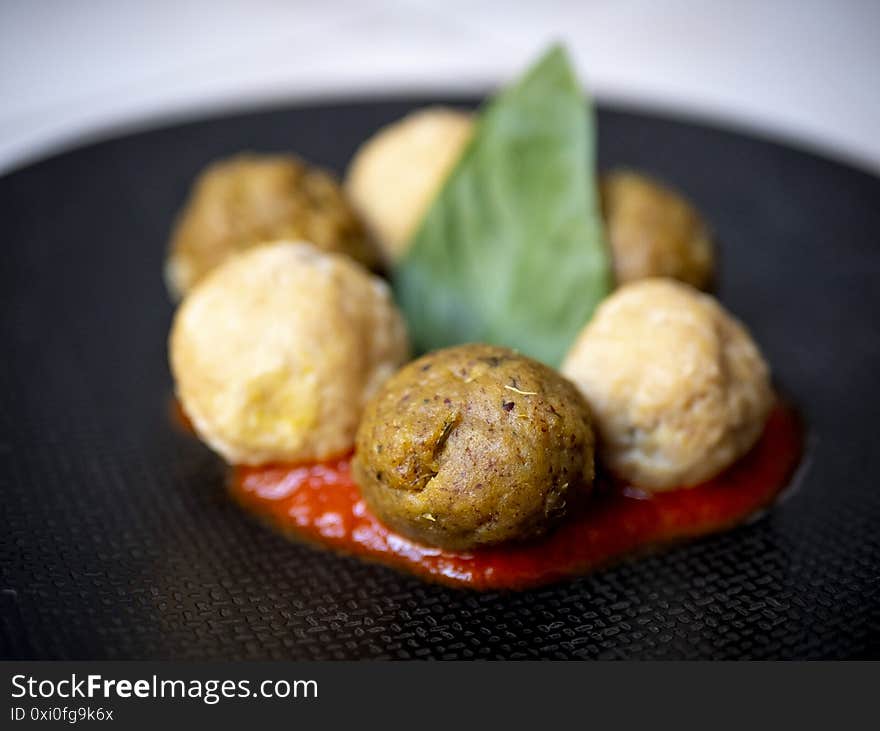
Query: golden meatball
[[654, 231], [474, 445], [678, 389], [397, 173], [249, 199], [275, 353]]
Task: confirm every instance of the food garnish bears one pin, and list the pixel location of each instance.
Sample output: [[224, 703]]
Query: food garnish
[[512, 250]]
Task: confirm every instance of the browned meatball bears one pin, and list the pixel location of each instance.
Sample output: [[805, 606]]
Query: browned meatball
[[474, 445], [252, 199], [654, 231]]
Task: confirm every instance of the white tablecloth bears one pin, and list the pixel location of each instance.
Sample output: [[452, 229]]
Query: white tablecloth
[[85, 68]]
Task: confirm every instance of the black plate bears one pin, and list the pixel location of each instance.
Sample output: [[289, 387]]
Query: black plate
[[119, 541]]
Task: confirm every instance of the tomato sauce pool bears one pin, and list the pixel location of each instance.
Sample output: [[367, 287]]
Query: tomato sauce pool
[[322, 504]]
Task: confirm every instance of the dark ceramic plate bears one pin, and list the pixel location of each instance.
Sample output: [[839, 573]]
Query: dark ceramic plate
[[119, 541]]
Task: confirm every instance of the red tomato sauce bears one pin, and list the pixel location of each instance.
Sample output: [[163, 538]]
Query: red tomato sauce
[[322, 504]]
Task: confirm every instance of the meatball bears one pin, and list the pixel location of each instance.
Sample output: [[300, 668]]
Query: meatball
[[250, 199], [678, 389], [474, 445], [654, 231], [397, 173], [276, 352]]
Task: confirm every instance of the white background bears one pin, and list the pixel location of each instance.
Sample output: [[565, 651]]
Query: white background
[[808, 70]]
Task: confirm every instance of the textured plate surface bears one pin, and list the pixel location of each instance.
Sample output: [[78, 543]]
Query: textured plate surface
[[119, 541]]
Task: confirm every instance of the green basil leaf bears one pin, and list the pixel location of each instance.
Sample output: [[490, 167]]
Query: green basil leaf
[[512, 250]]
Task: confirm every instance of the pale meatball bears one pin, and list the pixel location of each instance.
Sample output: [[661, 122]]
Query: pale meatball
[[678, 388], [276, 352], [397, 173], [654, 231], [249, 199]]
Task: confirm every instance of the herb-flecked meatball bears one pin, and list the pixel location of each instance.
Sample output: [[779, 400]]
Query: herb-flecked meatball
[[474, 445], [252, 199], [654, 231]]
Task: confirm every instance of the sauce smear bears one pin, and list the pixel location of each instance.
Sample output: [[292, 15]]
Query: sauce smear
[[321, 503]]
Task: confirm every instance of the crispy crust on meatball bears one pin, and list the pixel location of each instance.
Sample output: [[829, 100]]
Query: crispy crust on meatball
[[249, 199], [396, 174], [678, 388], [275, 353], [474, 445], [654, 231]]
